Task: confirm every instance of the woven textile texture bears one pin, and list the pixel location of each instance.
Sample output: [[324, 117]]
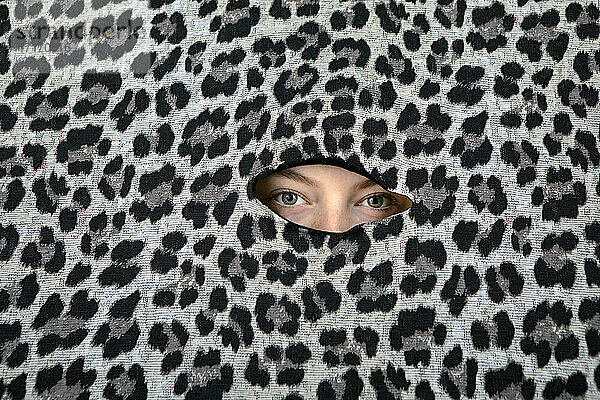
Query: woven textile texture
[[136, 261]]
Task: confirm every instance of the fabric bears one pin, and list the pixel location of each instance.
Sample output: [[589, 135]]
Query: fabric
[[138, 263]]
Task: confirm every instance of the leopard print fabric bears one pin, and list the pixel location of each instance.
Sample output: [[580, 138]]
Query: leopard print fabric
[[138, 263]]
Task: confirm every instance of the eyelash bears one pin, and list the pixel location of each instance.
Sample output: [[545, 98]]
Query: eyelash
[[391, 199]]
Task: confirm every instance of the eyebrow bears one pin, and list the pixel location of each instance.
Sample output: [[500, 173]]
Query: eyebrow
[[298, 177]]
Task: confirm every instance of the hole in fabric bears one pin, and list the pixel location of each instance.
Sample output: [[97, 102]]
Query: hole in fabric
[[327, 197]]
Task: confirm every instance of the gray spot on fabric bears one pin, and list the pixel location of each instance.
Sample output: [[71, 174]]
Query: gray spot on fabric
[[96, 4], [51, 194], [200, 376], [459, 376], [172, 343], [556, 190], [554, 135], [211, 194], [450, 11], [205, 134], [522, 234], [482, 234], [252, 120], [235, 267], [297, 81], [379, 141], [423, 267], [484, 193], [115, 180], [255, 230], [118, 326], [159, 195], [583, 149], [96, 237], [398, 65], [195, 59], [45, 110], [503, 282], [277, 314], [24, 7], [283, 265], [74, 57], [311, 39], [123, 385], [97, 92], [338, 132], [235, 326], [210, 313], [256, 169], [547, 330], [165, 27], [594, 65], [512, 392], [527, 107], [524, 160], [396, 392], [492, 29], [392, 16], [344, 247], [432, 198], [142, 63], [555, 257], [119, 40], [369, 289], [30, 68], [350, 54], [13, 161], [419, 341], [338, 385], [232, 16], [72, 8], [320, 302], [47, 251], [473, 141], [8, 347], [575, 97], [541, 33], [491, 328], [593, 322], [424, 133], [130, 106], [61, 391], [272, 55], [62, 326], [344, 91], [26, 73], [300, 3], [86, 153], [222, 72], [3, 197], [171, 99], [461, 286]]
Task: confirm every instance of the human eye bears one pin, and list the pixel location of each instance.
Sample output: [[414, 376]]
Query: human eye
[[379, 201], [288, 198]]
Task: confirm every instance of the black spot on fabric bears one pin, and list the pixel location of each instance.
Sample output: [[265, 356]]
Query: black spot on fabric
[[8, 119]]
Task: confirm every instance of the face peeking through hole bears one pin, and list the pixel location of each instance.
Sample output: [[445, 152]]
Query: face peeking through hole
[[327, 197]]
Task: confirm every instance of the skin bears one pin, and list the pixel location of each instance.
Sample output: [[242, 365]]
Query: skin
[[328, 198]]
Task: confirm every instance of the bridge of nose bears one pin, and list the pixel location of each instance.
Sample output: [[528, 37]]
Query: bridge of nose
[[334, 217]]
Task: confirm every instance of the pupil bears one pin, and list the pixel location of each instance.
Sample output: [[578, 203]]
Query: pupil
[[289, 198], [373, 201]]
